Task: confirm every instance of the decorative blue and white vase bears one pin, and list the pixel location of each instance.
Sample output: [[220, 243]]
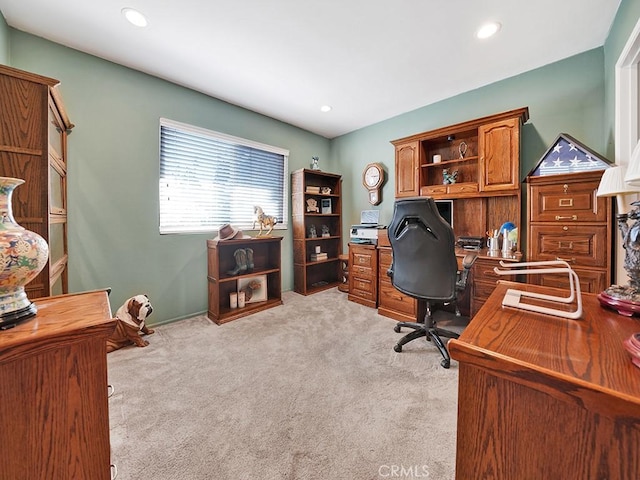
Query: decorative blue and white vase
[[23, 254]]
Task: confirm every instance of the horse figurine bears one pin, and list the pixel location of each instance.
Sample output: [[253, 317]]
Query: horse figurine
[[265, 221]]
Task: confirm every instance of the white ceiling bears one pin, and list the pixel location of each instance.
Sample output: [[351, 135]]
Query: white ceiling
[[369, 59]]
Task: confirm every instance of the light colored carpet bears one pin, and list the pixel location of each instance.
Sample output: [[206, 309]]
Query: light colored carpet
[[311, 389]]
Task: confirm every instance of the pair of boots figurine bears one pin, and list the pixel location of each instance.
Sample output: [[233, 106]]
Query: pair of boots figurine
[[244, 261]]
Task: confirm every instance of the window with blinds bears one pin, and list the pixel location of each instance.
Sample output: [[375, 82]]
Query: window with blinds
[[208, 179]]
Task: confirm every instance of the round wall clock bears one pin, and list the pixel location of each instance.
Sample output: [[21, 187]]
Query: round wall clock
[[372, 179]]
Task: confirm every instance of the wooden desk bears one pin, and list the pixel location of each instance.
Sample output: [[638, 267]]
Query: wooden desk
[[542, 397], [480, 284], [54, 412]]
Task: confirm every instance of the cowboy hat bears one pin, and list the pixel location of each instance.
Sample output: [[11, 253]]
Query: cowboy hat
[[227, 232]]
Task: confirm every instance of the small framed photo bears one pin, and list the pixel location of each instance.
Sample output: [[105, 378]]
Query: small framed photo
[[325, 205], [254, 288]]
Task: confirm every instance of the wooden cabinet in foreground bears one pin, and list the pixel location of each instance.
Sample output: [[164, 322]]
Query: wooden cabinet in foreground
[[317, 230], [223, 280], [546, 397], [33, 147], [53, 377]]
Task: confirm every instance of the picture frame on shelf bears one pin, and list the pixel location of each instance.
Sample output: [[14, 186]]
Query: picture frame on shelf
[[325, 206], [254, 288]]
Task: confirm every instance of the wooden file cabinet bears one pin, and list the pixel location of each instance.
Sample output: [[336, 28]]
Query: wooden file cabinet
[[568, 222], [363, 274], [54, 413]]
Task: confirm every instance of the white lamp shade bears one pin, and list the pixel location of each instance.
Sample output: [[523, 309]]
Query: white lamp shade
[[613, 182], [633, 172]]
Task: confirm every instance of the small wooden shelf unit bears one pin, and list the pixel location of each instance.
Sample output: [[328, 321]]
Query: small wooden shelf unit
[[266, 259]]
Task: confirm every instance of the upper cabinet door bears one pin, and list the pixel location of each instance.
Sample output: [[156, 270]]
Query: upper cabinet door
[[499, 150], [408, 169]]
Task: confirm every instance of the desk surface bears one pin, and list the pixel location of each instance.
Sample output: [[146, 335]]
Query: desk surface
[[585, 357]]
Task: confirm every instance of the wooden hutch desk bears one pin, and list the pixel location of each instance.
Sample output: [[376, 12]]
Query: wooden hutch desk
[[546, 397]]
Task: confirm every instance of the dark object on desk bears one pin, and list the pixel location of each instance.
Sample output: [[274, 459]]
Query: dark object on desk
[[471, 242], [425, 266]]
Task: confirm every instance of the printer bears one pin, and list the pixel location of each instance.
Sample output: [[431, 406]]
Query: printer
[[366, 231]]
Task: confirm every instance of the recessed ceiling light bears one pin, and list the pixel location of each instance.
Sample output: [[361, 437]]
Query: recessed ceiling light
[[488, 30], [135, 17], [325, 108]]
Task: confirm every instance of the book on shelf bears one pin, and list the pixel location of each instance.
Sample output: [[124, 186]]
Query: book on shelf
[[316, 257], [312, 189]]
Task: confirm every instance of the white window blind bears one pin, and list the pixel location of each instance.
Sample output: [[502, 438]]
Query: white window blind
[[208, 179]]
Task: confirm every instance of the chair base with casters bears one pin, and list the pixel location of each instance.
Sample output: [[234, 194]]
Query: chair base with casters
[[424, 266], [429, 330]]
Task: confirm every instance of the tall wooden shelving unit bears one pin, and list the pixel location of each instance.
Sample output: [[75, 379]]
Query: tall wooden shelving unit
[[33, 146], [313, 276]]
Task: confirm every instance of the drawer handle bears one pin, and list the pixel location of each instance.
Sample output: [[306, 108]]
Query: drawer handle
[[565, 202], [572, 217], [568, 260], [110, 391], [114, 471], [565, 245]]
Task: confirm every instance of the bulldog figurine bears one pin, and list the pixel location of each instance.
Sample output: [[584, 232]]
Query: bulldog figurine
[[131, 318]]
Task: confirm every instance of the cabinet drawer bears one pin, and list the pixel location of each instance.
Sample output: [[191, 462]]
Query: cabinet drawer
[[483, 269], [576, 244], [482, 290], [362, 259], [361, 271], [451, 189], [393, 299], [365, 294], [363, 284], [433, 190], [570, 202], [592, 281], [462, 188]]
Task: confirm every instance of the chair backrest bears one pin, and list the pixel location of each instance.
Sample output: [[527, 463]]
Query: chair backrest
[[423, 245]]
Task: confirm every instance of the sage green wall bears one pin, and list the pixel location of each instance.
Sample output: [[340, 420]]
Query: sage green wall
[[113, 168], [113, 175], [4, 41], [624, 23], [563, 97]]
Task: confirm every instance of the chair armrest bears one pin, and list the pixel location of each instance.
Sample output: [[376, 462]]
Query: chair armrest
[[467, 262]]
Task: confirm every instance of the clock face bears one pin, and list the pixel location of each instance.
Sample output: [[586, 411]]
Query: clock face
[[372, 176]]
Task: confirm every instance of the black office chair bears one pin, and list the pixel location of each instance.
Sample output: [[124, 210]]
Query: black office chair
[[424, 266]]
